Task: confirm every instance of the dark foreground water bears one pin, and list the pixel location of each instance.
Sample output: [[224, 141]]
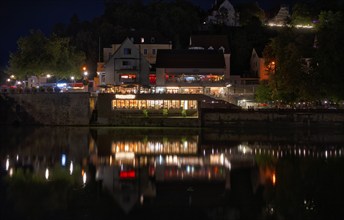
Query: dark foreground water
[[171, 173]]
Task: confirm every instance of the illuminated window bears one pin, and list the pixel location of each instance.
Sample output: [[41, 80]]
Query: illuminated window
[[142, 39]]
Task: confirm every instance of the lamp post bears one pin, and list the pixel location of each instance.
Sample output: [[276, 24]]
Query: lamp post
[[85, 80]]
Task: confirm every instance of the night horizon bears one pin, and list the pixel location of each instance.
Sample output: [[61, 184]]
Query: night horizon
[[43, 15]]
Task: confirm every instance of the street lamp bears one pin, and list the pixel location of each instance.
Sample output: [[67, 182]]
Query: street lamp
[[85, 71], [85, 80]]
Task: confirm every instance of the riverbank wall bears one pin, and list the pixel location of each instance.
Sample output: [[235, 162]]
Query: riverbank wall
[[75, 109], [45, 109]]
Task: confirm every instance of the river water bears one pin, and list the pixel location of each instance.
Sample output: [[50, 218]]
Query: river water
[[171, 173]]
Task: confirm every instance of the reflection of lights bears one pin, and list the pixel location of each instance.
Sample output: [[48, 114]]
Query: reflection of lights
[[47, 174], [127, 174], [7, 164], [274, 178], [222, 159], [185, 144], [17, 157], [84, 177], [125, 155], [326, 154], [160, 159], [141, 199], [309, 204], [11, 172], [63, 160], [244, 149], [71, 168]]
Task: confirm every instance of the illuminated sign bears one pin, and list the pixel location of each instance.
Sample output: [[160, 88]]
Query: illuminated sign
[[129, 96]]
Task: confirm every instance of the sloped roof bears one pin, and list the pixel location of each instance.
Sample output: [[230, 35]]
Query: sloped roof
[[259, 50], [190, 59], [150, 37], [206, 41]]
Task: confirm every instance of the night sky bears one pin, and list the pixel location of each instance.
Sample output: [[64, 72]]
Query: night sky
[[18, 17]]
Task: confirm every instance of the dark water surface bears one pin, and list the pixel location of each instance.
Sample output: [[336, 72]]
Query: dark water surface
[[171, 173]]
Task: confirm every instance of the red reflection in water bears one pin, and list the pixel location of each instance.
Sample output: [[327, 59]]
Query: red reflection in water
[[127, 174]]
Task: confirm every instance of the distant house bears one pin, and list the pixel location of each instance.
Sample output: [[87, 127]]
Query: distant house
[[126, 66], [281, 18], [257, 64], [223, 13], [213, 42], [191, 71], [147, 42]]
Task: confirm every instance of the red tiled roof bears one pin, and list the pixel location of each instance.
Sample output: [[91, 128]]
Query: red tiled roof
[[190, 59]]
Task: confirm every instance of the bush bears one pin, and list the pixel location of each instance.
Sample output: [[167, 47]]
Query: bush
[[145, 112], [165, 112], [184, 113]]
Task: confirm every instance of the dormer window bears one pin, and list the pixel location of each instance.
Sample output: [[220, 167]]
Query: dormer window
[[152, 39], [222, 49], [211, 48], [132, 39], [142, 39]]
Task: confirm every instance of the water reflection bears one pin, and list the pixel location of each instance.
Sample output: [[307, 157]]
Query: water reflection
[[209, 174]]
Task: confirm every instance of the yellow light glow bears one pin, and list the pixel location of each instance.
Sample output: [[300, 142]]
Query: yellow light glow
[[273, 178], [129, 96]]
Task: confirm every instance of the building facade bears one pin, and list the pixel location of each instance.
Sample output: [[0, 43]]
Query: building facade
[[146, 42], [191, 71], [126, 66]]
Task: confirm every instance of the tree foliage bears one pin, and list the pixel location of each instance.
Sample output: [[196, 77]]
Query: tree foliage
[[330, 54], [263, 93], [302, 14], [291, 78], [39, 55]]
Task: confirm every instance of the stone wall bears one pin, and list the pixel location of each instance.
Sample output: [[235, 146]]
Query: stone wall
[[47, 108], [212, 117]]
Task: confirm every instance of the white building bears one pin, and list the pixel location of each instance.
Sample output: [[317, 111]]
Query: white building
[[223, 13]]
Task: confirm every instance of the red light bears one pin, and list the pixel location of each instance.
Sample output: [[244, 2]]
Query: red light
[[127, 174]]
